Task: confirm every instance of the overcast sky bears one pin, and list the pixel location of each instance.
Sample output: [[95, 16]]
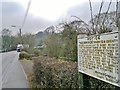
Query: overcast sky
[[43, 13]]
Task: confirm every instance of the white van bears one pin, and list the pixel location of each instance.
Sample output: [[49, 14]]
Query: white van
[[19, 47]]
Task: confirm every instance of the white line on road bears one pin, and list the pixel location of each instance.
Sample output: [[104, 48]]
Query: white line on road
[[23, 71]]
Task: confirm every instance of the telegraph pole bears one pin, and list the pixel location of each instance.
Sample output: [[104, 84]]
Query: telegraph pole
[[20, 32]]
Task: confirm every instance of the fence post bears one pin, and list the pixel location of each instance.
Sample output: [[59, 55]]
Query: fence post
[[81, 81]]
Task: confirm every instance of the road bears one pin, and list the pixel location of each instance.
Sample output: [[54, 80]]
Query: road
[[13, 75]]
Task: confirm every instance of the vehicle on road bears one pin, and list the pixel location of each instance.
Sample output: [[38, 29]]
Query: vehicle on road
[[19, 47]]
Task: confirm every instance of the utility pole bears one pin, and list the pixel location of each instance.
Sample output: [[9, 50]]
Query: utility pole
[[20, 32]]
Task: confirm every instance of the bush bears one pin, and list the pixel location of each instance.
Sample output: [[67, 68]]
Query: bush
[[25, 55], [51, 73], [32, 51], [36, 52]]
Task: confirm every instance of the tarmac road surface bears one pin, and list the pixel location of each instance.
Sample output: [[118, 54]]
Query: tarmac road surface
[[13, 75]]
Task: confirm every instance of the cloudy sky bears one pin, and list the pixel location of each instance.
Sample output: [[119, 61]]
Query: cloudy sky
[[43, 13]]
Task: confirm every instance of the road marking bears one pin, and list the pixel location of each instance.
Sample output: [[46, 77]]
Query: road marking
[[23, 71]]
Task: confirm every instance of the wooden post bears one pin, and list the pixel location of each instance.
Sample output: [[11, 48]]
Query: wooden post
[[81, 81]]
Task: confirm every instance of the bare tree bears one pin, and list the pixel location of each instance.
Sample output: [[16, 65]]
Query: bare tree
[[117, 13], [91, 13], [6, 32], [50, 29], [99, 14], [105, 17]]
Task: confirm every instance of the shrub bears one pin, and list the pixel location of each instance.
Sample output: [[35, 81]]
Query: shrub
[[52, 73], [25, 55], [32, 51], [36, 52]]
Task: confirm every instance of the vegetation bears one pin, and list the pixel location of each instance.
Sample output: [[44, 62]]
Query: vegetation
[[100, 85], [58, 43], [10, 42], [52, 46], [61, 41], [24, 55], [52, 73], [7, 40], [64, 45]]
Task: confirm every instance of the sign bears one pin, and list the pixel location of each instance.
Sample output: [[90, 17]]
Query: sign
[[99, 57]]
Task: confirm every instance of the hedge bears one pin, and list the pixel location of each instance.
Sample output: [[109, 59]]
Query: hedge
[[25, 55], [53, 73]]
